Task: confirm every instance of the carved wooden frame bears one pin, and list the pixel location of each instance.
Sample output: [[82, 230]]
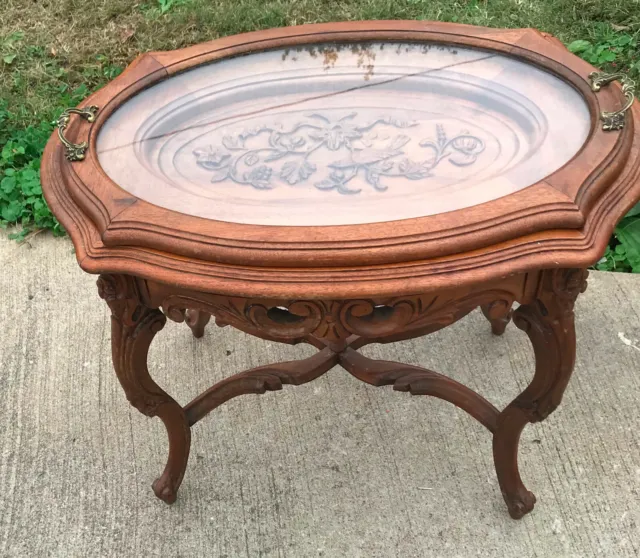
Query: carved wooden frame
[[338, 328]]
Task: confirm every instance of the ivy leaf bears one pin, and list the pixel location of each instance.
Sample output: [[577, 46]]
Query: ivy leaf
[[343, 164], [629, 236], [7, 184], [12, 211], [578, 46], [233, 142], [607, 56], [220, 174], [635, 210], [326, 184], [398, 142]]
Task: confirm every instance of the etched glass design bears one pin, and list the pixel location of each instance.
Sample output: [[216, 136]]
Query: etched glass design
[[343, 134]]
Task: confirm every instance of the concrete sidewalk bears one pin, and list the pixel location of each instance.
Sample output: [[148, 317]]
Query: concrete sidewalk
[[334, 468]]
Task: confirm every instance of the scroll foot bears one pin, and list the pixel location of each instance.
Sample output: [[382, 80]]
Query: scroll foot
[[520, 504]]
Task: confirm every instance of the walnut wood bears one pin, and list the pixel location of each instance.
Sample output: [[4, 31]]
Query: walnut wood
[[419, 381], [565, 220], [338, 328], [197, 321], [498, 314], [133, 327], [549, 323], [258, 380]]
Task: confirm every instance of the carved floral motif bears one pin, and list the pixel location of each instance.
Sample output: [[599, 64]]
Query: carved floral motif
[[333, 320], [260, 155]]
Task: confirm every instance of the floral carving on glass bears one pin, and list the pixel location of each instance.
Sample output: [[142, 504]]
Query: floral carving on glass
[[263, 155]]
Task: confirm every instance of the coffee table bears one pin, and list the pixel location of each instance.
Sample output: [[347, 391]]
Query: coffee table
[[345, 184]]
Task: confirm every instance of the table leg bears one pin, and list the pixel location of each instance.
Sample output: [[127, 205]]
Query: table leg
[[549, 323], [197, 320], [499, 315], [133, 327]]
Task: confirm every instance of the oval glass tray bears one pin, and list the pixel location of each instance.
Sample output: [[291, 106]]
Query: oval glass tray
[[346, 159], [340, 134]]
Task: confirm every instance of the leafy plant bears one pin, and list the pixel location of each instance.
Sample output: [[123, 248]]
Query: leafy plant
[[163, 6], [9, 53], [616, 51], [21, 200], [603, 52]]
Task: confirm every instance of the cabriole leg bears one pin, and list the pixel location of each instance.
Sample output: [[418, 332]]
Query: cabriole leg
[[133, 327], [549, 323]]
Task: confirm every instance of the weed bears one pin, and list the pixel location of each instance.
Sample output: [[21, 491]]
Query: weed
[[21, 201]]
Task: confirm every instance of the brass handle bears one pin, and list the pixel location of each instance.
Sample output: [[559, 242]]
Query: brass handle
[[75, 151], [614, 120]]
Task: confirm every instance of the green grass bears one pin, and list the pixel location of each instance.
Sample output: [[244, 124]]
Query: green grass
[[54, 53]]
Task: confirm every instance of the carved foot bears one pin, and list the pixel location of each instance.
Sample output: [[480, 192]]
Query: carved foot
[[197, 321], [520, 503], [499, 315], [164, 489]]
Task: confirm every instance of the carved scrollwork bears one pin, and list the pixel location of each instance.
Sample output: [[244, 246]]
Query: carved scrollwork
[[567, 284], [335, 320], [549, 323], [259, 380], [133, 327]]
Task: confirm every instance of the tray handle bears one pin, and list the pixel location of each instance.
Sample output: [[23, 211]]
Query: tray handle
[[614, 120], [75, 151]]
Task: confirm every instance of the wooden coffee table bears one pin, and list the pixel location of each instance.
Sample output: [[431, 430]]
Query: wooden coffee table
[[345, 184]]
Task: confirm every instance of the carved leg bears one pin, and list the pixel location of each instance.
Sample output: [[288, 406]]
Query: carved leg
[[197, 321], [133, 327], [499, 314], [549, 323]]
